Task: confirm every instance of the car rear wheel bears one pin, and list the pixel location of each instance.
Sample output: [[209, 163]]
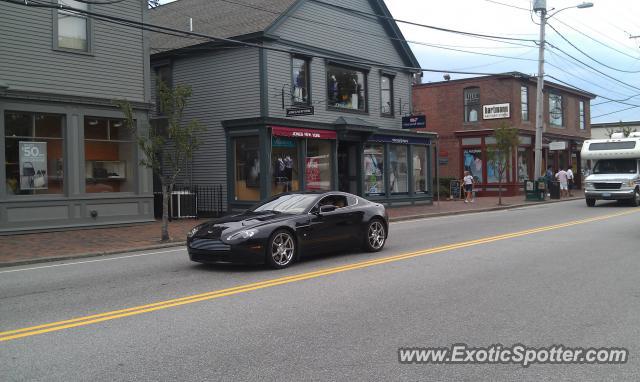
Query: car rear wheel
[[281, 249], [591, 202], [636, 199], [375, 237]]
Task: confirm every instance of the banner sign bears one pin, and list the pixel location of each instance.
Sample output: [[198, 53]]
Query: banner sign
[[33, 165], [414, 122], [312, 174], [283, 142], [557, 145], [294, 132], [303, 110], [400, 140], [501, 110]]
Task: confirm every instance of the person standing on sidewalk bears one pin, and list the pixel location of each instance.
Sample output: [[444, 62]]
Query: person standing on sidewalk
[[570, 180], [548, 177], [563, 178], [468, 187]]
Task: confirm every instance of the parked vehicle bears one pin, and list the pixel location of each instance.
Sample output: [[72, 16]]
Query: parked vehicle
[[288, 226], [616, 171]]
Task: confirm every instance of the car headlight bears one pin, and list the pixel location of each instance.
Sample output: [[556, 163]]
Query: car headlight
[[631, 183], [589, 184], [193, 231], [245, 234]]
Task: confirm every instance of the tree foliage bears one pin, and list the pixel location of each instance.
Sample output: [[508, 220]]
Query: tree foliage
[[500, 154]]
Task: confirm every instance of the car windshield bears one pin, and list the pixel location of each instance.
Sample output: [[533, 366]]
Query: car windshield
[[288, 203], [615, 166]]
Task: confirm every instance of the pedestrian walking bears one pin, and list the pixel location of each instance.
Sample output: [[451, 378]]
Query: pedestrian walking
[[563, 179], [548, 177], [570, 180], [468, 187]]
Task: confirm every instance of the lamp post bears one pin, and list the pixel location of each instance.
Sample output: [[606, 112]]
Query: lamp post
[[541, 6]]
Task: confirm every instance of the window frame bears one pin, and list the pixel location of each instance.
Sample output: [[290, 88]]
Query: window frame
[[524, 103], [582, 123], [156, 69], [364, 71], [89, 32], [391, 113], [465, 104], [307, 63], [561, 98]]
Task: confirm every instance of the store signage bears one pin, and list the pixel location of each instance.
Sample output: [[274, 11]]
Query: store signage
[[33, 165], [558, 145], [400, 140], [302, 110], [294, 132], [312, 174], [501, 110], [283, 142], [414, 122]]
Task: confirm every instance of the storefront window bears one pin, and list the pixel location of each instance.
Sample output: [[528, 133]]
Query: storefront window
[[300, 81], [473, 163], [494, 168], [109, 155], [34, 152], [420, 169], [398, 171], [346, 88], [374, 169], [247, 165], [318, 169], [284, 168], [555, 109], [523, 164]]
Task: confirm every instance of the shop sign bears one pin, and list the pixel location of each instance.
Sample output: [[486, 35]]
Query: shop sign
[[293, 132], [312, 174], [557, 145], [283, 142], [414, 122], [400, 140], [501, 110], [33, 165], [297, 111]]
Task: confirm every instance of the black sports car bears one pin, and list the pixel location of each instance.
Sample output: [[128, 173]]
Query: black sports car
[[288, 226]]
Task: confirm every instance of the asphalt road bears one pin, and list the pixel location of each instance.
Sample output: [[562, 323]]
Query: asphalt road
[[574, 284]]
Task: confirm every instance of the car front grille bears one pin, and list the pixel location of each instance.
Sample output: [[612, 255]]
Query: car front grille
[[607, 186], [209, 245]]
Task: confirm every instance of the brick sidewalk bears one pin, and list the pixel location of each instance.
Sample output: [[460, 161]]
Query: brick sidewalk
[[36, 247]]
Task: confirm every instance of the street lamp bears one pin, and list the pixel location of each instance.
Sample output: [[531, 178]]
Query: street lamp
[[541, 6]]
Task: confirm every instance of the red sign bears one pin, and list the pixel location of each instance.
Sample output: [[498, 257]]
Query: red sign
[[294, 132], [312, 173]]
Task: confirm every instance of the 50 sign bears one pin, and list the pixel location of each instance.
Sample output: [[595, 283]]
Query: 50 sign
[[33, 165]]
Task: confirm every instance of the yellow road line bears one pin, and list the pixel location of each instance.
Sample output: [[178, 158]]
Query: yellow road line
[[112, 315]]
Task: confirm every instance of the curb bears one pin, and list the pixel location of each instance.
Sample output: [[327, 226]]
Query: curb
[[182, 243]]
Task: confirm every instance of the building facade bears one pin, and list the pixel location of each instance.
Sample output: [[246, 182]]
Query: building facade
[[317, 108], [69, 160], [604, 130], [466, 112]]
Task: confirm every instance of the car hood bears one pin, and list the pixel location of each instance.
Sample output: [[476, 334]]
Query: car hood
[[610, 177], [216, 228]]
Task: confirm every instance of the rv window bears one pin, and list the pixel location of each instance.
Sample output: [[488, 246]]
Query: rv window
[[612, 145], [615, 166]]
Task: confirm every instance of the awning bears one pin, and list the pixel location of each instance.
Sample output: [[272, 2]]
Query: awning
[[294, 132]]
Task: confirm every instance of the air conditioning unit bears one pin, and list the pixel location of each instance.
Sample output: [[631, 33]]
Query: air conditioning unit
[[184, 204]]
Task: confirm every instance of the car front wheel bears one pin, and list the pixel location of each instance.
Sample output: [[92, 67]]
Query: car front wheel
[[281, 249], [636, 199], [591, 202], [375, 237]]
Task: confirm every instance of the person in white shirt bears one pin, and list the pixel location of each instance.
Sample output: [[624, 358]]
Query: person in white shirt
[[570, 180], [563, 179], [468, 187]]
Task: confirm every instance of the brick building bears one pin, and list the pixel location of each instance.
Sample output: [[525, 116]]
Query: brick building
[[465, 113]]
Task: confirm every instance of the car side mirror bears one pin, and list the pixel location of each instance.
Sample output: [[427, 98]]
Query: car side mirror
[[327, 208]]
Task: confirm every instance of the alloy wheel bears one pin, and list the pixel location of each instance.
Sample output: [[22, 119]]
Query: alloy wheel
[[282, 249], [376, 235]]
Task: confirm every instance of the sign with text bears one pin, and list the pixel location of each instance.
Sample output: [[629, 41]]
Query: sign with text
[[557, 145], [455, 191], [414, 122], [501, 110], [294, 132], [302, 110], [400, 140], [312, 174], [33, 165]]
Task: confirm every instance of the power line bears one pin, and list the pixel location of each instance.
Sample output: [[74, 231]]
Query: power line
[[598, 95], [615, 112], [508, 5], [597, 41]]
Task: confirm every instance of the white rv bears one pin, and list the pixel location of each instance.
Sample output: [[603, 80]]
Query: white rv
[[616, 169]]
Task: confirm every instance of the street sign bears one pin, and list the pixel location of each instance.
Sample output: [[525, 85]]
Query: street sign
[[414, 122], [298, 111]]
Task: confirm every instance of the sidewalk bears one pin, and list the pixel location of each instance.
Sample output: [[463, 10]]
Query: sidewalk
[[49, 246]]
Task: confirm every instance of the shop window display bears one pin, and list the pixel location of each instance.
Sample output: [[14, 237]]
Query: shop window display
[[420, 169], [300, 81], [398, 170], [493, 174], [109, 155], [473, 163], [523, 164], [374, 169], [318, 169], [34, 152], [247, 171], [346, 88], [284, 168]]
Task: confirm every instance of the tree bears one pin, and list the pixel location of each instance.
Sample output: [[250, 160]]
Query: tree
[[499, 154], [166, 149], [626, 130]]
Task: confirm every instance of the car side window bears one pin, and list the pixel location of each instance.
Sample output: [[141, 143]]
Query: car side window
[[339, 201]]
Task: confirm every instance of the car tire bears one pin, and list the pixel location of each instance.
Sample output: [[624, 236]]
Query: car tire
[[591, 202], [281, 249], [375, 235], [636, 199]]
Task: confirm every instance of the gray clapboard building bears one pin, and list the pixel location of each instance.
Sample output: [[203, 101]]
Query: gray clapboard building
[[319, 106], [69, 161]]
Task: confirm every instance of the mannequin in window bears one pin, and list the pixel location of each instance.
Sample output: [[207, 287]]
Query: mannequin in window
[[298, 87], [333, 90], [288, 172], [354, 94], [417, 172]]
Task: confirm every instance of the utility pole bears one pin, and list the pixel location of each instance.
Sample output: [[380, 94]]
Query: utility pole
[[542, 7]]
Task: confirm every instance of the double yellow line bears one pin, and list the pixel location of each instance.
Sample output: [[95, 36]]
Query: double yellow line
[[112, 315]]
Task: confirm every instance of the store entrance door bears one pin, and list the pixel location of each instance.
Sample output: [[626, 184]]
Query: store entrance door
[[348, 160]]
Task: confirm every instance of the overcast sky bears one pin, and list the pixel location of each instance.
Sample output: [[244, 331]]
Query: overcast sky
[[603, 32]]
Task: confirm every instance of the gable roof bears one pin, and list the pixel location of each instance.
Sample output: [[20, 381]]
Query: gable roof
[[245, 18]]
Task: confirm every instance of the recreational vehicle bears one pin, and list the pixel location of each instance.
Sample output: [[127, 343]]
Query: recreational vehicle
[[615, 174]]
